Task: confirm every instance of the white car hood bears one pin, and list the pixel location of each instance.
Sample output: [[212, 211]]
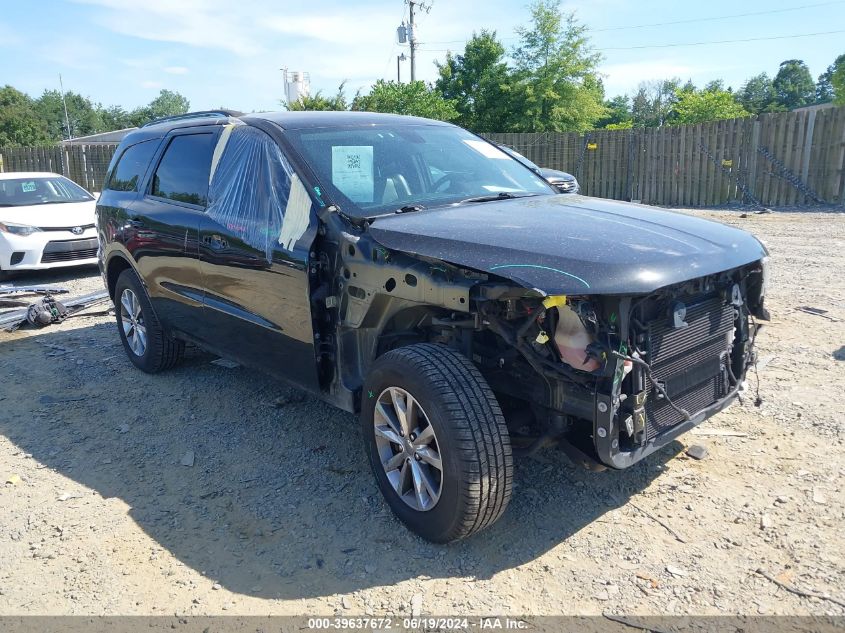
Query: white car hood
[[66, 214]]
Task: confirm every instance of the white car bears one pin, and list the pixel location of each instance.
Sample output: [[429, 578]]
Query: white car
[[46, 221]]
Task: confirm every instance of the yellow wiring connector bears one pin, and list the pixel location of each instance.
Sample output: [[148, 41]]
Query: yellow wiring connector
[[554, 301]]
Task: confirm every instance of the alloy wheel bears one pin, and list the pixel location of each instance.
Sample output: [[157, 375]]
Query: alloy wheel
[[132, 321], [407, 449]]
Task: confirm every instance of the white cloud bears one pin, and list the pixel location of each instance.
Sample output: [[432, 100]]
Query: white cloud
[[151, 84], [176, 70], [202, 23]]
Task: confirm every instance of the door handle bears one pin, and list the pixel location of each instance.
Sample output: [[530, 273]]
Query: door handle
[[215, 242]]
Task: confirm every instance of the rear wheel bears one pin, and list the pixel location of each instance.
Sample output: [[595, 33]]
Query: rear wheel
[[437, 442], [147, 344]]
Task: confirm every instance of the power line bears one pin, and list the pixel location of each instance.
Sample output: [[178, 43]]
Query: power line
[[680, 44], [719, 17], [747, 39]]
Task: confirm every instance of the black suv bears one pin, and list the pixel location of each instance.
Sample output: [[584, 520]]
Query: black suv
[[415, 274]]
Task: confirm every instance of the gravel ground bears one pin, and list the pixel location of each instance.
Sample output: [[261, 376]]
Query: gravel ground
[[278, 513]]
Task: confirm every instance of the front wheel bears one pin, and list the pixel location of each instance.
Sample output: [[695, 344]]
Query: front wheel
[[437, 442]]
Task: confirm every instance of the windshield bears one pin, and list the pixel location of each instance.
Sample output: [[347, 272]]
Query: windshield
[[378, 169], [23, 192], [522, 159]]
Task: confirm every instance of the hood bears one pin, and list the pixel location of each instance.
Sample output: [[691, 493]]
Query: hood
[[570, 244], [554, 174], [51, 215]]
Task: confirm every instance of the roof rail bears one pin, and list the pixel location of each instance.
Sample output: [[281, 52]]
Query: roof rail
[[195, 115]]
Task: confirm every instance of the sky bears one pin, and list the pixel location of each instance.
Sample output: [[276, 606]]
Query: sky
[[220, 53]]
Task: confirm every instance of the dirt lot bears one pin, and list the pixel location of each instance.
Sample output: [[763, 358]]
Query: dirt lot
[[279, 514]]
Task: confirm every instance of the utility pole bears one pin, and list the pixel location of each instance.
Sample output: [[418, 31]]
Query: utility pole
[[413, 41], [64, 104], [412, 32]]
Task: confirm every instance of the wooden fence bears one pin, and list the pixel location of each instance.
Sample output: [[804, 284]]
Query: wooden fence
[[84, 164], [784, 159]]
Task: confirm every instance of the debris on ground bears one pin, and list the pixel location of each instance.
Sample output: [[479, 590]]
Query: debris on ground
[[800, 592], [32, 290], [187, 459], [817, 312], [47, 310], [697, 451]]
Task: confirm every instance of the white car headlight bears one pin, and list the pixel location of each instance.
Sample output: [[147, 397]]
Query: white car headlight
[[18, 229]]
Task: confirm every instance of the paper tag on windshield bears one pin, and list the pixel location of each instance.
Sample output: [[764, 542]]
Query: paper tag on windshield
[[27, 186], [352, 171], [486, 149]]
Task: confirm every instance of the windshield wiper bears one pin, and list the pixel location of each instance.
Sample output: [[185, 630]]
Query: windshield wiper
[[502, 195], [409, 208]]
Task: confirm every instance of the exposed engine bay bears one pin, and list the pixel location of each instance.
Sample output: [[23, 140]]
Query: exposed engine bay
[[619, 376]]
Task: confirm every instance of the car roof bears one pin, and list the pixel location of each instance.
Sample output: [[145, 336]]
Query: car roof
[[285, 120], [307, 119], [9, 175]]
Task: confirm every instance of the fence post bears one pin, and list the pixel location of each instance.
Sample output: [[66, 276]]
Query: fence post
[[752, 160]]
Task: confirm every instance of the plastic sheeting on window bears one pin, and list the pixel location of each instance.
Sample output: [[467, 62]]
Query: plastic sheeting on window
[[254, 192]]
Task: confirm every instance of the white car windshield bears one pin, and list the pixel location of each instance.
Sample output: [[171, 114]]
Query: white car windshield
[[24, 192], [376, 169]]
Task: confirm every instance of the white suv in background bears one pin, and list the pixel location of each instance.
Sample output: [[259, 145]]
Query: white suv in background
[[46, 221]]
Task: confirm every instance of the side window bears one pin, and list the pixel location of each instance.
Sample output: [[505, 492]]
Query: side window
[[255, 192], [131, 167], [182, 173]]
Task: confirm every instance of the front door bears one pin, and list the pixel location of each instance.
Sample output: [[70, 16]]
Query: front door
[[254, 243]]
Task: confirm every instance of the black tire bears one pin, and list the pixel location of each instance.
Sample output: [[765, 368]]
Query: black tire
[[471, 435], [161, 351]]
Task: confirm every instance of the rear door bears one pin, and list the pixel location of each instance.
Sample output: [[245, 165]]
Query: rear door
[[254, 244], [164, 226]]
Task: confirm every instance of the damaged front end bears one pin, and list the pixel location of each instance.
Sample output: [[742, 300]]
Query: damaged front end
[[615, 377]]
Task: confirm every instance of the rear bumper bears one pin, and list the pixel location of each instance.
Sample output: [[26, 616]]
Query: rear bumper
[[47, 249]]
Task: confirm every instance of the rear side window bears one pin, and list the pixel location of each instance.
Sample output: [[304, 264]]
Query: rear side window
[[129, 170], [182, 174]]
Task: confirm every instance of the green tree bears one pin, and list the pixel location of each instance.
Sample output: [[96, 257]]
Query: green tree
[[115, 118], [793, 85], [837, 80], [652, 104], [617, 114], [477, 82], [82, 115], [556, 86], [824, 87], [705, 105], [414, 98], [167, 103], [757, 94], [19, 121], [716, 85], [318, 102]]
